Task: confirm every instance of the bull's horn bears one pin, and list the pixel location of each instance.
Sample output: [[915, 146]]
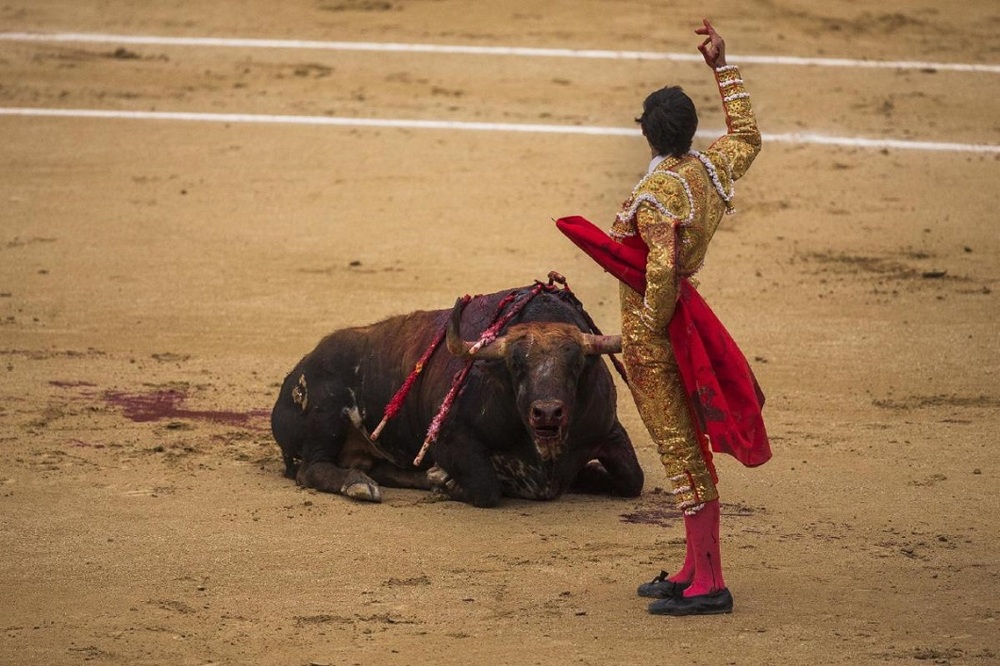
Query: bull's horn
[[493, 351], [465, 349], [601, 344]]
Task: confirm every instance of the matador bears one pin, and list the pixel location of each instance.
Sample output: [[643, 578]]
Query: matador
[[670, 339]]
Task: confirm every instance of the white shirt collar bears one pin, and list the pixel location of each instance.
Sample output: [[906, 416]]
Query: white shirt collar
[[654, 163]]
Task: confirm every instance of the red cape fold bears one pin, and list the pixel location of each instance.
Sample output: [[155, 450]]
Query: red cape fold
[[722, 391]]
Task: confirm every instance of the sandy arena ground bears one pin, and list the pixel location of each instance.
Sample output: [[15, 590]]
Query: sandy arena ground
[[159, 278]]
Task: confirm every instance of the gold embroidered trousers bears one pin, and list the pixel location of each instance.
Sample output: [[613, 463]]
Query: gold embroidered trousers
[[662, 404]]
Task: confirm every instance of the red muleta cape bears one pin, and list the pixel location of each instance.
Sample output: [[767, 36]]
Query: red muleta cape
[[722, 391]]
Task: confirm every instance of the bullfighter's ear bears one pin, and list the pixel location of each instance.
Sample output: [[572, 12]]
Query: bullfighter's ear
[[602, 344]]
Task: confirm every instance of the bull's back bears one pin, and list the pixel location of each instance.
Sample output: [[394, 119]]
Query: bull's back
[[353, 373]]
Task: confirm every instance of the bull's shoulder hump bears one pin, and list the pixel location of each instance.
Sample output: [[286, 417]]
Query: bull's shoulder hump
[[548, 307]]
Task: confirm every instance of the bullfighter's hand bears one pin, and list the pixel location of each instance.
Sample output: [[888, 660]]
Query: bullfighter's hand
[[713, 49]]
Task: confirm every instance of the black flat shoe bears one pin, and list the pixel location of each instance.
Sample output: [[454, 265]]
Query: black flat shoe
[[713, 603], [661, 588]]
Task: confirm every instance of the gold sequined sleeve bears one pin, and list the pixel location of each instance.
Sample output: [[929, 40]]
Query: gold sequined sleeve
[[738, 148], [655, 220]]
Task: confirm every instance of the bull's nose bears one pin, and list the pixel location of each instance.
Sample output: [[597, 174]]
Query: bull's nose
[[547, 412]]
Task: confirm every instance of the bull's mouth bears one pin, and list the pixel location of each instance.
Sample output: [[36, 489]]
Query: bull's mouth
[[548, 442], [547, 433]]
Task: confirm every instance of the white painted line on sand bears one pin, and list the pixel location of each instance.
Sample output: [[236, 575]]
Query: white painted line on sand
[[388, 123], [391, 47], [317, 120]]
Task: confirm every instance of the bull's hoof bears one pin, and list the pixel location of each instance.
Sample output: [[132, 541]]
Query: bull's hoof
[[442, 485], [437, 477], [358, 486], [366, 492]]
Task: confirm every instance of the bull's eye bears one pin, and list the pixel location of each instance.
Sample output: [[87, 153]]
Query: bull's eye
[[517, 362], [574, 360]]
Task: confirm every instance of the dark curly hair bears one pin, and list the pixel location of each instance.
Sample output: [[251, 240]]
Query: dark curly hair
[[669, 121]]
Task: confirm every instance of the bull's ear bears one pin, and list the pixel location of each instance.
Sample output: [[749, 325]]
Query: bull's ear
[[456, 345], [601, 344]]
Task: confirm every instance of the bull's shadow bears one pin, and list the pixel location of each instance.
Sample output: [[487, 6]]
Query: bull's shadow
[[535, 416]]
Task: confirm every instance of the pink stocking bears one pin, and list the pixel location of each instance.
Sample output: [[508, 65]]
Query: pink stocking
[[686, 572], [702, 530]]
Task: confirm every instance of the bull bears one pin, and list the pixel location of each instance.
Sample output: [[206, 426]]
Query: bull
[[537, 416]]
